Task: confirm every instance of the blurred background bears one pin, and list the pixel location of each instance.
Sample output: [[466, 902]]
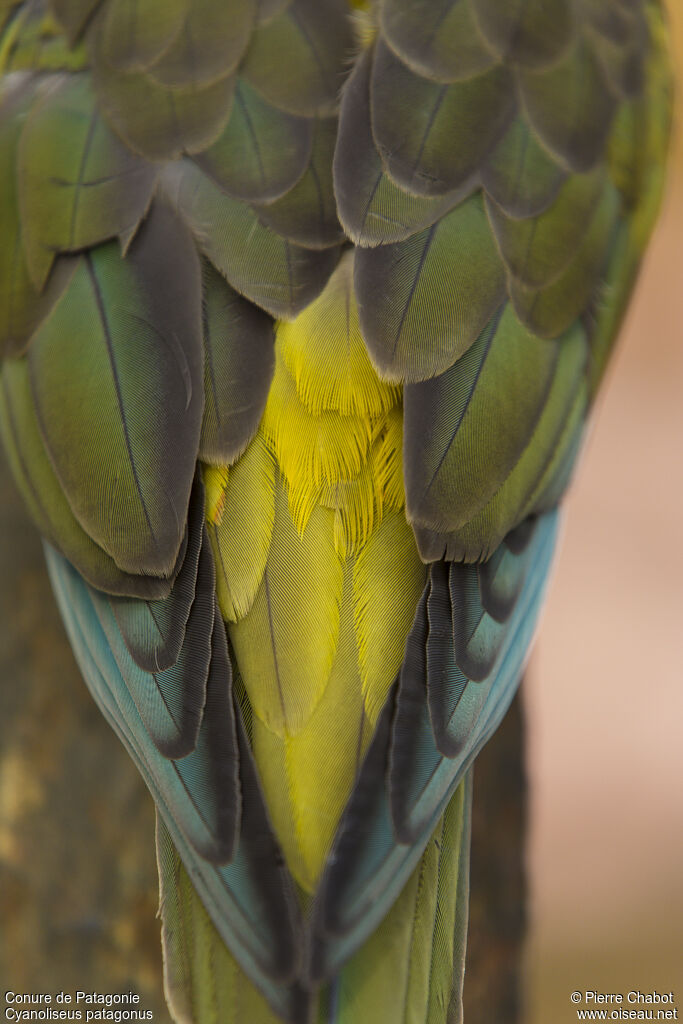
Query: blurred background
[[603, 697], [604, 694]]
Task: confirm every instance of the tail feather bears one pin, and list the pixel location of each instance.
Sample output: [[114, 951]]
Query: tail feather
[[410, 970]]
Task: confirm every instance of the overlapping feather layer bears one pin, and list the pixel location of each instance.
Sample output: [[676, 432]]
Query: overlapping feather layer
[[299, 330]]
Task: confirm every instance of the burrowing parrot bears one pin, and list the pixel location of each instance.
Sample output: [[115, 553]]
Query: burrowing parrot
[[303, 306]]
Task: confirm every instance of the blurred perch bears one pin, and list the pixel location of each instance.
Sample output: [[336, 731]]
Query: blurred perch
[[78, 886], [78, 891], [495, 977]]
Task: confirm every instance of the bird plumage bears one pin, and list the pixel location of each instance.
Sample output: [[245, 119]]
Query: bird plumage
[[302, 311]]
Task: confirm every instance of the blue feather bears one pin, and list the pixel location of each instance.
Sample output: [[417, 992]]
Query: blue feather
[[389, 819], [238, 871]]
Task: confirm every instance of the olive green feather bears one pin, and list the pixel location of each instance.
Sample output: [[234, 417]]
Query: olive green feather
[[307, 214], [261, 153], [537, 249], [296, 59], [554, 307], [468, 520], [452, 472], [135, 33], [533, 33], [266, 268], [73, 15], [411, 970], [45, 499], [22, 305], [423, 302], [154, 120], [570, 106], [520, 175], [209, 45], [129, 331], [439, 41], [238, 368], [372, 207], [431, 136], [78, 184]]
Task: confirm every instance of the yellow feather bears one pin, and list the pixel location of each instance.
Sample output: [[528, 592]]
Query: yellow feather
[[302, 500], [215, 483], [387, 460], [311, 450], [286, 643], [356, 510], [325, 353], [388, 579], [240, 513], [307, 778], [324, 634]]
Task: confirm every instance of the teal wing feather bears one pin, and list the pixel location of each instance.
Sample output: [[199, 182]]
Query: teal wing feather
[[154, 631], [219, 827], [439, 717]]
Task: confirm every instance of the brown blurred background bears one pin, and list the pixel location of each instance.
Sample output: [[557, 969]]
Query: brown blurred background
[[605, 690], [604, 698]]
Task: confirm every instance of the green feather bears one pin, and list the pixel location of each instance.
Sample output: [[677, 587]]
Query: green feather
[[129, 332], [78, 184], [239, 360], [619, 37], [551, 310], [267, 9], [73, 15], [372, 207], [537, 249], [432, 137], [454, 461], [45, 498], [266, 268], [135, 33], [32, 41], [410, 970], [209, 46], [158, 122], [297, 59], [261, 153], [307, 214], [22, 308], [482, 509], [424, 301], [610, 18], [531, 32], [520, 175], [550, 485], [637, 161], [202, 981], [439, 41], [570, 107]]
